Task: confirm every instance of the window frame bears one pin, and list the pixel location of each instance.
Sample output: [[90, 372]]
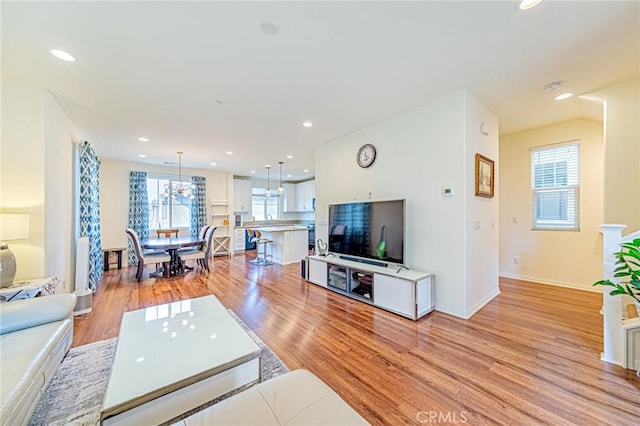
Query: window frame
[[261, 193], [186, 180], [549, 184]]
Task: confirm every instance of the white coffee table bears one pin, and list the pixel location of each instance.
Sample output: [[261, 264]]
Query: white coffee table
[[172, 358]]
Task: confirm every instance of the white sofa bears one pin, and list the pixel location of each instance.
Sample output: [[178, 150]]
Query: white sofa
[[35, 335], [294, 398]]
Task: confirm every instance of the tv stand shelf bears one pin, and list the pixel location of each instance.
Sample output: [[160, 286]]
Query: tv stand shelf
[[403, 291]]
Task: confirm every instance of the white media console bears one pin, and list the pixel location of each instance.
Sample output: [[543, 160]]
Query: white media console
[[406, 292]]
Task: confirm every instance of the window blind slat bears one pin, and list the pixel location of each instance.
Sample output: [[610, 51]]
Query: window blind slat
[[555, 179]]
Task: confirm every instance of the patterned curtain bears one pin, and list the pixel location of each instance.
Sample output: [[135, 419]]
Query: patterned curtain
[[90, 210], [198, 204], [138, 210]]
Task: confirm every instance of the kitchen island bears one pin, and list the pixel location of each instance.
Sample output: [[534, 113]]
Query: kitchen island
[[290, 243]]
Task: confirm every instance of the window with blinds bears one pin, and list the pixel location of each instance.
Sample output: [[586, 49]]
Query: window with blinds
[[555, 187]]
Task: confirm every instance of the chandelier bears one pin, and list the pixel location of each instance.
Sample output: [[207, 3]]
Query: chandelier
[[177, 188]]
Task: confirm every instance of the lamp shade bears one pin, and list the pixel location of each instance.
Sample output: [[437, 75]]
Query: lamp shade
[[14, 226]]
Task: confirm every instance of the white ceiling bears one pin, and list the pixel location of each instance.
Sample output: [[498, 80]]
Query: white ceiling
[[155, 69]]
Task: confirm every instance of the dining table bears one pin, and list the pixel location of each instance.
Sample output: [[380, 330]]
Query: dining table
[[171, 246]]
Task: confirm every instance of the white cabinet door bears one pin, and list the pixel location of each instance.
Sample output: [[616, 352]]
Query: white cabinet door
[[426, 295], [289, 200], [305, 193], [238, 239], [241, 195], [394, 294], [317, 272]]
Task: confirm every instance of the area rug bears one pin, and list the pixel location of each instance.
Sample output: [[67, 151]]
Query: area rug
[[74, 396]]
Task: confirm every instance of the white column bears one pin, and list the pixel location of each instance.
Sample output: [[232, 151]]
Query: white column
[[612, 305]]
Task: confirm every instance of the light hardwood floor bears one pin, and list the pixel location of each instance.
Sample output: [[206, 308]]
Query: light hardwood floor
[[531, 356]]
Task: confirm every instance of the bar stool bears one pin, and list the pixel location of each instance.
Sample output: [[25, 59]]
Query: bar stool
[[253, 237], [265, 258]]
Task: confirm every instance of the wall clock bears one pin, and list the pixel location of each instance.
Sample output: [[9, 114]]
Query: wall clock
[[366, 155]]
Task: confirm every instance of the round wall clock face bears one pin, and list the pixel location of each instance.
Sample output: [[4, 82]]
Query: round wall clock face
[[366, 155]]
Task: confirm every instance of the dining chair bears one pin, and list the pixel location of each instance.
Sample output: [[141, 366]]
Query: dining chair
[[199, 254], [167, 232], [148, 257]]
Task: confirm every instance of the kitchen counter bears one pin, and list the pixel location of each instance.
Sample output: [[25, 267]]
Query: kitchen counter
[[290, 242]]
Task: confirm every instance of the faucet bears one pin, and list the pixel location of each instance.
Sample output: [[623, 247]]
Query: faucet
[[269, 217]]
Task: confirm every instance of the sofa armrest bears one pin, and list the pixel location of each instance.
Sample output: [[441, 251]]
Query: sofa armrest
[[28, 313]]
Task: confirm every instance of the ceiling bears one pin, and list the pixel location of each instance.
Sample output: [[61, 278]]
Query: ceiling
[[204, 78]]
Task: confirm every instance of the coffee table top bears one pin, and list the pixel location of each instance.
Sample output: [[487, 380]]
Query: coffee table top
[[166, 347]]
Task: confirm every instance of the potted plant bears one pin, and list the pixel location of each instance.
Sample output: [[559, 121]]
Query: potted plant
[[628, 267]]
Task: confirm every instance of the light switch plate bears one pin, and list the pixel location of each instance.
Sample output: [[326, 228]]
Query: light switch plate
[[448, 191]]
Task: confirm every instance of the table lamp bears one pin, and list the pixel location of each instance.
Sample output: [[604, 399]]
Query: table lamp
[[13, 226]]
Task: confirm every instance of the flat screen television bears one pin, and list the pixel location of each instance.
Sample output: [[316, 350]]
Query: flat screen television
[[368, 230]]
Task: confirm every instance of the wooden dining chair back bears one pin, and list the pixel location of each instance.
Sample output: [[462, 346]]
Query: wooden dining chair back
[[167, 232], [145, 258]]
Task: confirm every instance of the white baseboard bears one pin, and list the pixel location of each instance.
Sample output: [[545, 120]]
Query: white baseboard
[[565, 284], [488, 298], [476, 307]]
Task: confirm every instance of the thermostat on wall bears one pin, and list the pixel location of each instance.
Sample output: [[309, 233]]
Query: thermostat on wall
[[448, 192]]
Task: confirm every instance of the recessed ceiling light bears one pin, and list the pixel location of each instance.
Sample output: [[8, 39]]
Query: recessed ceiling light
[[213, 164], [229, 152], [563, 96], [306, 171], [289, 156], [527, 4], [144, 139], [554, 85], [288, 175], [63, 55], [269, 27], [267, 165], [142, 156], [253, 171], [307, 124]]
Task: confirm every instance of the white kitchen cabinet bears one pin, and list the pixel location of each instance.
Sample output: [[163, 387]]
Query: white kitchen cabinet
[[305, 193], [289, 198], [242, 195], [238, 239]]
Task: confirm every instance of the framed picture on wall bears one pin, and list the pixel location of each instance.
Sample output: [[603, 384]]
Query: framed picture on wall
[[484, 176]]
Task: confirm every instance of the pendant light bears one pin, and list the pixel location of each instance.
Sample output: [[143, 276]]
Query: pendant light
[[178, 188], [268, 181], [280, 188]]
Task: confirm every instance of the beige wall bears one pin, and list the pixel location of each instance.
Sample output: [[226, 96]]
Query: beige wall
[[622, 153], [36, 152], [420, 152], [568, 258], [114, 195]]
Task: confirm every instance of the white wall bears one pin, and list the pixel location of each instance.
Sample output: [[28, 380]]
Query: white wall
[[622, 153], [566, 258], [36, 179], [418, 153], [481, 244], [59, 218], [114, 195]]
